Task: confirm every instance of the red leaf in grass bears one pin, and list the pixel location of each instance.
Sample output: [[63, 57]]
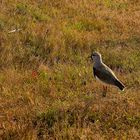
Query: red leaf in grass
[[34, 74]]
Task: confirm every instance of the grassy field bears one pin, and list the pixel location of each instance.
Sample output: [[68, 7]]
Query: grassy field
[[47, 89]]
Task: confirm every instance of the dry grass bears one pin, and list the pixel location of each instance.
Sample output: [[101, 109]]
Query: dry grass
[[47, 90]]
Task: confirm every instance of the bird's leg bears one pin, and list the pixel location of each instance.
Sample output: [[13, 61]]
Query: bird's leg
[[104, 91]]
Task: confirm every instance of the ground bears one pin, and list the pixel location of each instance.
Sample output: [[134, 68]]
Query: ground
[[47, 88]]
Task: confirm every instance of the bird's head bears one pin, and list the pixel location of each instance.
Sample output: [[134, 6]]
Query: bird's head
[[96, 57]]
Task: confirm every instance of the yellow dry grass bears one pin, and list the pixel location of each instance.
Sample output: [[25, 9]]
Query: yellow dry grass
[[47, 90]]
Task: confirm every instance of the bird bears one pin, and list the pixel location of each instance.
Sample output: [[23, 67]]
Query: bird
[[102, 72]]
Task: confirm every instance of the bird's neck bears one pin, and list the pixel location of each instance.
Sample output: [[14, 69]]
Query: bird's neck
[[98, 62]]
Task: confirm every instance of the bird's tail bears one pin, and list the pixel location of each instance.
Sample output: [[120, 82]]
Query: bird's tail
[[119, 85]]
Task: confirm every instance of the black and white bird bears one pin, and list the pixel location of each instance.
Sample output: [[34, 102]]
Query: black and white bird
[[104, 73]]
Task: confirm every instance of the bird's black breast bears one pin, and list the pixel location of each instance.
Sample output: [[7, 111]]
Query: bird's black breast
[[100, 74], [96, 73]]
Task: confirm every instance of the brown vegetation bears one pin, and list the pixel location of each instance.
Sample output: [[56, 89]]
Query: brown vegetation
[[47, 90]]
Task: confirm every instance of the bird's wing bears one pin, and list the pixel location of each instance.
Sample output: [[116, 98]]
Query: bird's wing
[[105, 74]]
